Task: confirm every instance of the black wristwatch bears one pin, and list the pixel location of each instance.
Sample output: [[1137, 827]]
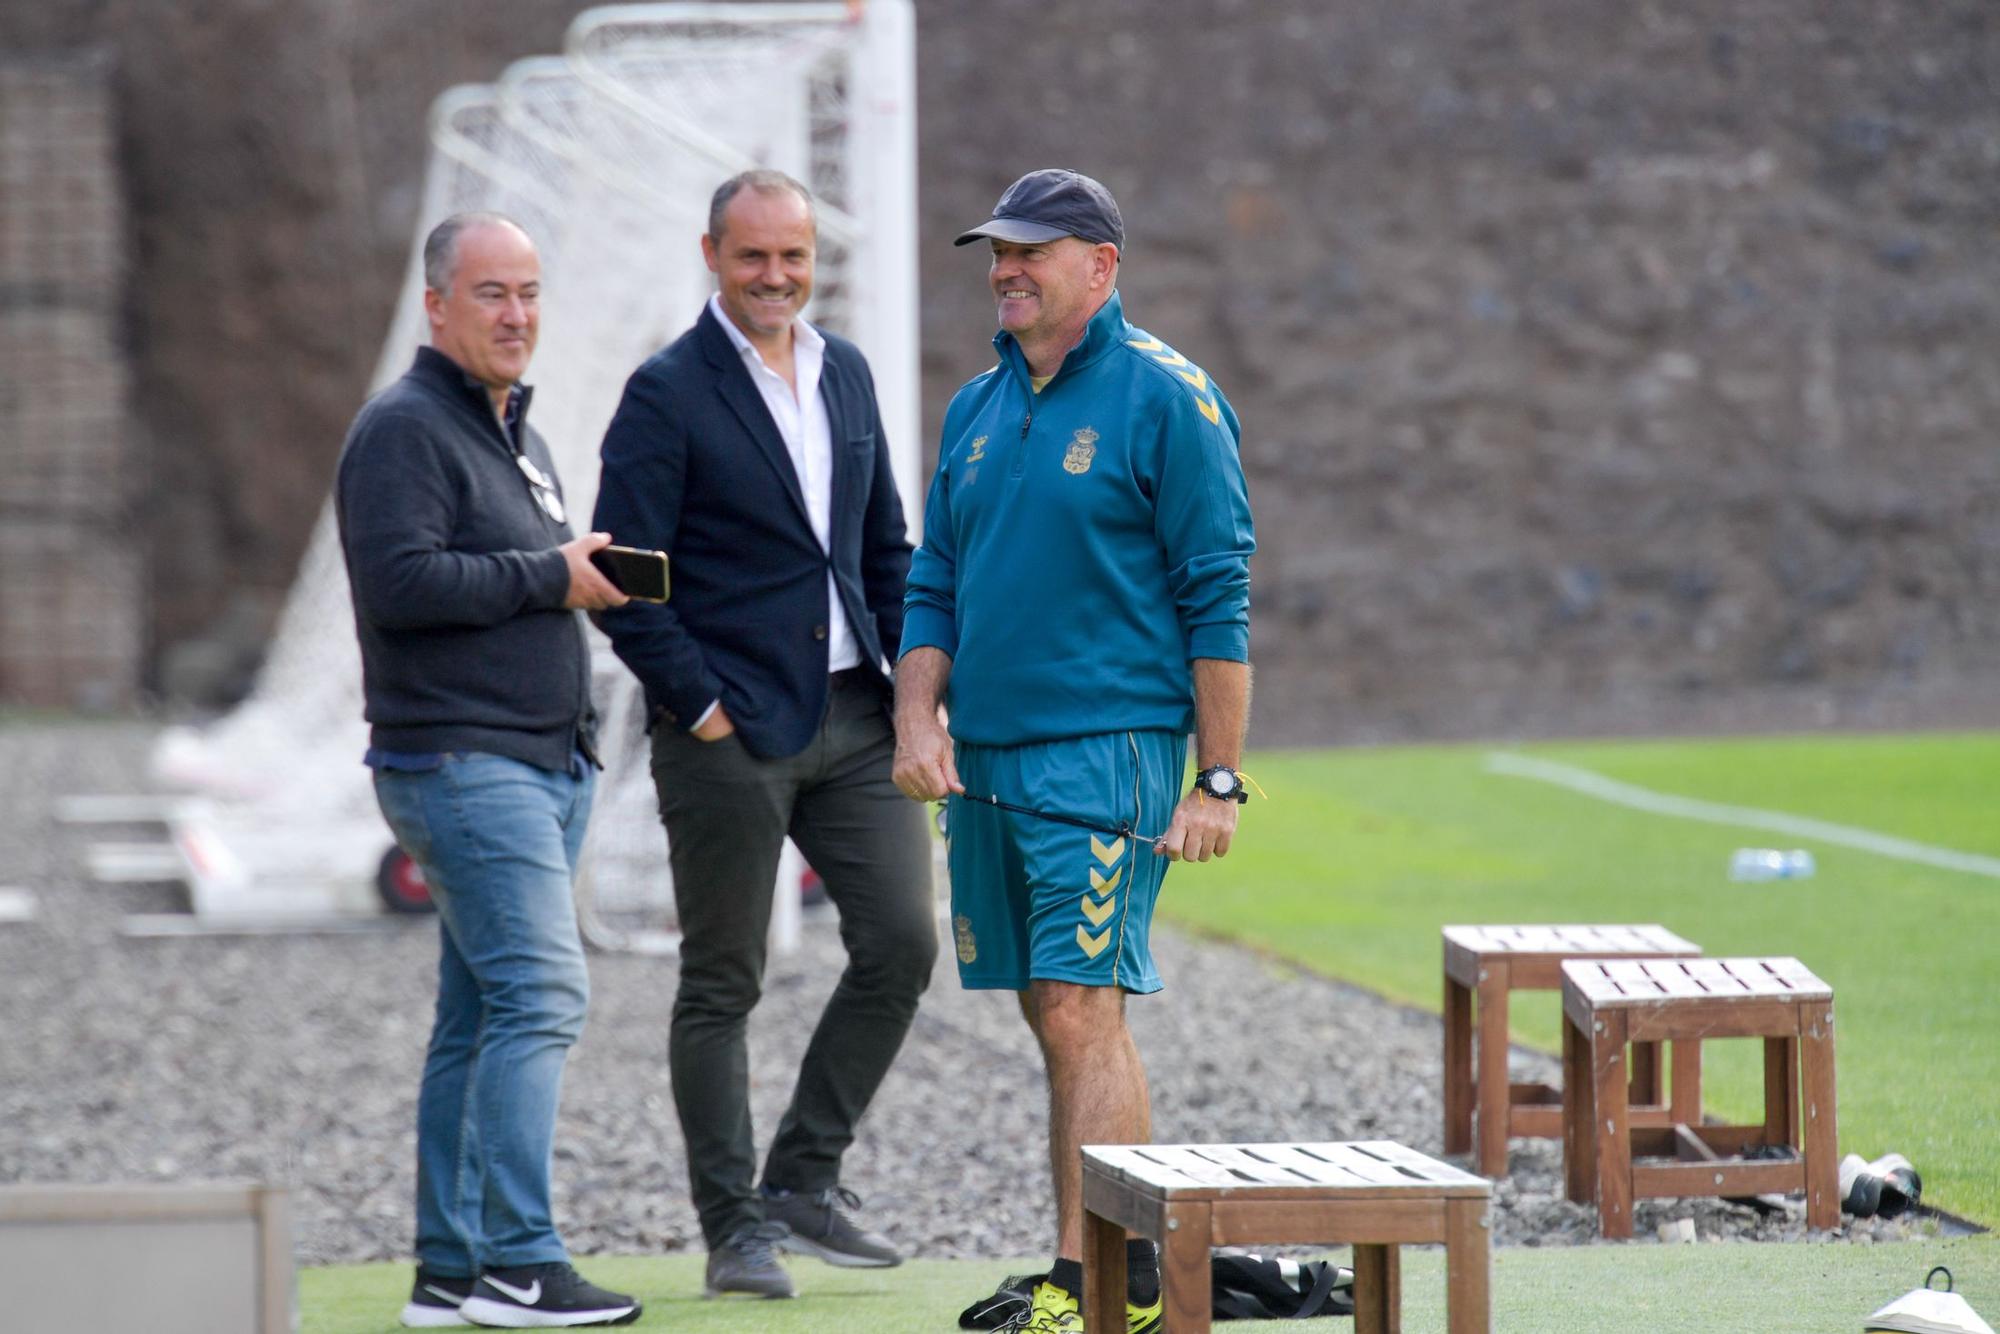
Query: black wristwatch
[[1221, 782]]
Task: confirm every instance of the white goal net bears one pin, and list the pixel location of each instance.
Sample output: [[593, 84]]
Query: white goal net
[[607, 154]]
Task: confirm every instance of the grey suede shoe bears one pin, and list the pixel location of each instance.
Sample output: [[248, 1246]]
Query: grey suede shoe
[[747, 1262], [822, 1224]]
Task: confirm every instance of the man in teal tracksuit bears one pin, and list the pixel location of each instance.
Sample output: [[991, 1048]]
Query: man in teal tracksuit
[[1080, 601]]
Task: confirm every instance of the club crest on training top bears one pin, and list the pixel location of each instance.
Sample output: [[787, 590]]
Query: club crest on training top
[[1082, 449]]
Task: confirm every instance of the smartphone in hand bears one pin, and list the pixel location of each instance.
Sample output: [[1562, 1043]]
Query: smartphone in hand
[[639, 574]]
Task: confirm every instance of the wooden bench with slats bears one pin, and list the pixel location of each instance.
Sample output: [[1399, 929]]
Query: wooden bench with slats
[[1375, 1195], [1486, 963], [1608, 1003]]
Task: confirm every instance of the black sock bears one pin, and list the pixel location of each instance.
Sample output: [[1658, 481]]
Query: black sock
[[1142, 1272]]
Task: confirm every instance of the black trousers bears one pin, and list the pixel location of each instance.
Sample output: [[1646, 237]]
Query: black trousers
[[727, 814]]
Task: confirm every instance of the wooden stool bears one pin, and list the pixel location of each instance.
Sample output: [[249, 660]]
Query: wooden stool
[[1608, 1003], [1374, 1195], [1491, 961]]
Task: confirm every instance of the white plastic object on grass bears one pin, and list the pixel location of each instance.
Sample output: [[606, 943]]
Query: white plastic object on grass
[[1929, 1310], [1771, 864]]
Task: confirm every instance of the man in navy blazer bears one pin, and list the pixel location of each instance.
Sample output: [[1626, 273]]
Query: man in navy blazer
[[751, 451]]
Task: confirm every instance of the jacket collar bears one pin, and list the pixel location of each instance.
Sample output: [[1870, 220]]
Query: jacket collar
[[439, 371], [732, 381], [1106, 330]]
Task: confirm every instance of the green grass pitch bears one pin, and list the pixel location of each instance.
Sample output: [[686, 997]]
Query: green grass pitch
[[1356, 860], [1697, 1289], [1360, 856]]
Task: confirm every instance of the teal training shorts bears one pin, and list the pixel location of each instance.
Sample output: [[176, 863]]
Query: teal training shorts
[[1034, 898]]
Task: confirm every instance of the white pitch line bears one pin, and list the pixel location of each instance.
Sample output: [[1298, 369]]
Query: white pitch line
[[1748, 817]]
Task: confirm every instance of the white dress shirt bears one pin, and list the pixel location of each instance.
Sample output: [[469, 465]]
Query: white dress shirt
[[807, 431]]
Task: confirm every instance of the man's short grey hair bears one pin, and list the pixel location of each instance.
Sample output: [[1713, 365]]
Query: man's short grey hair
[[765, 181], [441, 246]]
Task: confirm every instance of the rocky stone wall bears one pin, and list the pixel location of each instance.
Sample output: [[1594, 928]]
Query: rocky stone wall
[[1602, 367], [71, 627]]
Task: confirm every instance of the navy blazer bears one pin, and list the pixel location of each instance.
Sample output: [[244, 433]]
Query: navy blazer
[[694, 466]]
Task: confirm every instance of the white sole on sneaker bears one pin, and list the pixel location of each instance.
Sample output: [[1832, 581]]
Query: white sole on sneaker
[[503, 1315], [416, 1315], [798, 1245]]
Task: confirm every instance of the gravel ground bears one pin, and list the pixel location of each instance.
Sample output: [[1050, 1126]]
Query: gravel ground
[[295, 1060]]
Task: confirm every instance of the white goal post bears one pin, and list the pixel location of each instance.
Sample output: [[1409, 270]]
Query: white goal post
[[607, 154]]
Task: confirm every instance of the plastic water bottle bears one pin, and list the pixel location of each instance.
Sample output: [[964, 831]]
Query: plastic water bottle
[[1771, 864]]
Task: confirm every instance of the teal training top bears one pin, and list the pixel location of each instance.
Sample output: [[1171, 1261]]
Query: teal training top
[[1083, 544]]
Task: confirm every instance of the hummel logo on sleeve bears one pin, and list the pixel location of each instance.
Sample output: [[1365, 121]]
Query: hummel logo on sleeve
[[1194, 375]]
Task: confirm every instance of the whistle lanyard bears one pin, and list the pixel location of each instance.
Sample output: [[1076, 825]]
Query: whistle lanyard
[[1123, 829]]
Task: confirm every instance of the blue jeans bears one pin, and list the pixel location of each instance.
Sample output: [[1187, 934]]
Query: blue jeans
[[498, 842]]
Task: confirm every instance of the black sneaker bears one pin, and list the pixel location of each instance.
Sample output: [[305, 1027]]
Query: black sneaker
[[1860, 1189], [822, 1224], [1902, 1188], [1006, 1308], [747, 1261], [550, 1296], [435, 1299]]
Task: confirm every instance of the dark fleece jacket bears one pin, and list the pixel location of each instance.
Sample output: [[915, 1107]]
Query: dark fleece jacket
[[458, 586]]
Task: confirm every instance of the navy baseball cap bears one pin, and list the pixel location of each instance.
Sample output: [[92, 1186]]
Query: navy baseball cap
[[1049, 204]]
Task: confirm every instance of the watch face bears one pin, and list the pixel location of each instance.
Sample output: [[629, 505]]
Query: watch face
[[1221, 783]]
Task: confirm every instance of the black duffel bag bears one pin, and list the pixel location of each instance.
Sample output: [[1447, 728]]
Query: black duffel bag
[[1242, 1286]]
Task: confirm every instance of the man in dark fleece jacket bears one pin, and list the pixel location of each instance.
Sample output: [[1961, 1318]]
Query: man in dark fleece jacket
[[467, 584]]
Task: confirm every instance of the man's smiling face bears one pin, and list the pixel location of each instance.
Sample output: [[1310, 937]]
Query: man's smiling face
[[763, 261], [1041, 289]]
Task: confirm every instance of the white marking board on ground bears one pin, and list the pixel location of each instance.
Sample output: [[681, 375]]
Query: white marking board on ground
[[1746, 817], [142, 808]]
